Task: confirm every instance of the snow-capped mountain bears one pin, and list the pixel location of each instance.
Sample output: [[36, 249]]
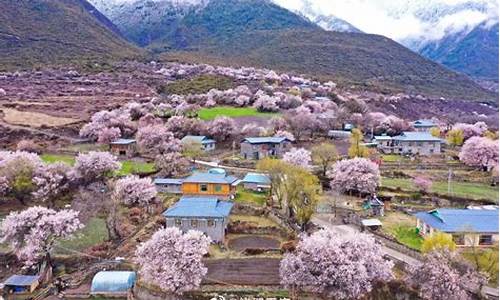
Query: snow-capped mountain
[[437, 29], [144, 21], [333, 23]]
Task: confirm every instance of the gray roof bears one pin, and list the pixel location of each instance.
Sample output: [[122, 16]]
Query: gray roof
[[197, 139], [168, 181], [266, 140], [414, 136], [461, 220], [191, 207], [21, 280], [123, 142], [199, 177], [423, 123]]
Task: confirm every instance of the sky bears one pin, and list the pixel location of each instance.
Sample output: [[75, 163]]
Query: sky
[[402, 19]]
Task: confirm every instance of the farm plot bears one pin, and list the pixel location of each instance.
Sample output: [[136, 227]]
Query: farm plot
[[242, 243], [243, 271], [34, 119]]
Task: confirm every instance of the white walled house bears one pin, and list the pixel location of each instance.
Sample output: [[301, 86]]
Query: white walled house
[[468, 227], [409, 143]]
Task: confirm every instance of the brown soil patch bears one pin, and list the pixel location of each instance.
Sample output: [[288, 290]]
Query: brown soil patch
[[253, 242], [251, 271], [34, 119]]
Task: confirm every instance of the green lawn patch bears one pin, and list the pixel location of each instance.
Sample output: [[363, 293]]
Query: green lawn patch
[[53, 158], [392, 158], [470, 190], [407, 235], [248, 196], [135, 167], [94, 232], [232, 112]]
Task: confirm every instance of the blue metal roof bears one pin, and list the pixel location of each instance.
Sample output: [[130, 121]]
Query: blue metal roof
[[21, 280], [199, 177], [112, 281], [208, 207], [415, 136], [197, 139], [123, 142], [423, 123], [266, 140], [257, 178], [168, 181], [460, 220]]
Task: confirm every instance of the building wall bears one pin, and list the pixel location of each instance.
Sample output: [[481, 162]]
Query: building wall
[[216, 232], [469, 239], [420, 148], [195, 189], [248, 150], [129, 150], [169, 188]]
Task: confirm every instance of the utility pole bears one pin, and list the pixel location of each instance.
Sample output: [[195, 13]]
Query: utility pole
[[449, 181]]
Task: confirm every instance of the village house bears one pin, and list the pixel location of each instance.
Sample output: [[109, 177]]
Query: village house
[[206, 143], [168, 185], [469, 227], [215, 182], [256, 182], [207, 214], [123, 147], [423, 125], [21, 284], [409, 143], [262, 147]]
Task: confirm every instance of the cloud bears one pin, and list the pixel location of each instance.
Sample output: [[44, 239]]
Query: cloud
[[403, 19]]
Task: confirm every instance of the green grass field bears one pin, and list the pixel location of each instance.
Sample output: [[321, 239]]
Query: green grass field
[[128, 166], [402, 227], [232, 112], [460, 189], [247, 196], [53, 158], [93, 233], [134, 167]]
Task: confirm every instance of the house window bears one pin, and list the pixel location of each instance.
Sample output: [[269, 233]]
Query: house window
[[178, 222], [203, 187], [431, 150], [458, 239], [211, 223], [419, 143], [194, 223], [485, 239], [218, 188]]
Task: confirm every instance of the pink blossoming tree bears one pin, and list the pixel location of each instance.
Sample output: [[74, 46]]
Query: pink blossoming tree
[[423, 184], [51, 181], [299, 157], [32, 233], [108, 135], [335, 266], [95, 165], [222, 128], [480, 152], [156, 139], [172, 164], [470, 130], [173, 260], [357, 174], [437, 278], [132, 190]]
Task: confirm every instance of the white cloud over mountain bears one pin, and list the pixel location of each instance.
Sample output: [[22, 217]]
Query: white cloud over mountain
[[403, 20]]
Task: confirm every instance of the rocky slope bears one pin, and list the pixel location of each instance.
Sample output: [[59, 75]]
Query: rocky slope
[[37, 32]]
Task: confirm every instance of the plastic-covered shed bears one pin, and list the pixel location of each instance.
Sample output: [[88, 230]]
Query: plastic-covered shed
[[112, 282]]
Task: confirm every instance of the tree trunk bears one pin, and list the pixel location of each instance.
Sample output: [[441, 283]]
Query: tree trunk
[[114, 235]]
